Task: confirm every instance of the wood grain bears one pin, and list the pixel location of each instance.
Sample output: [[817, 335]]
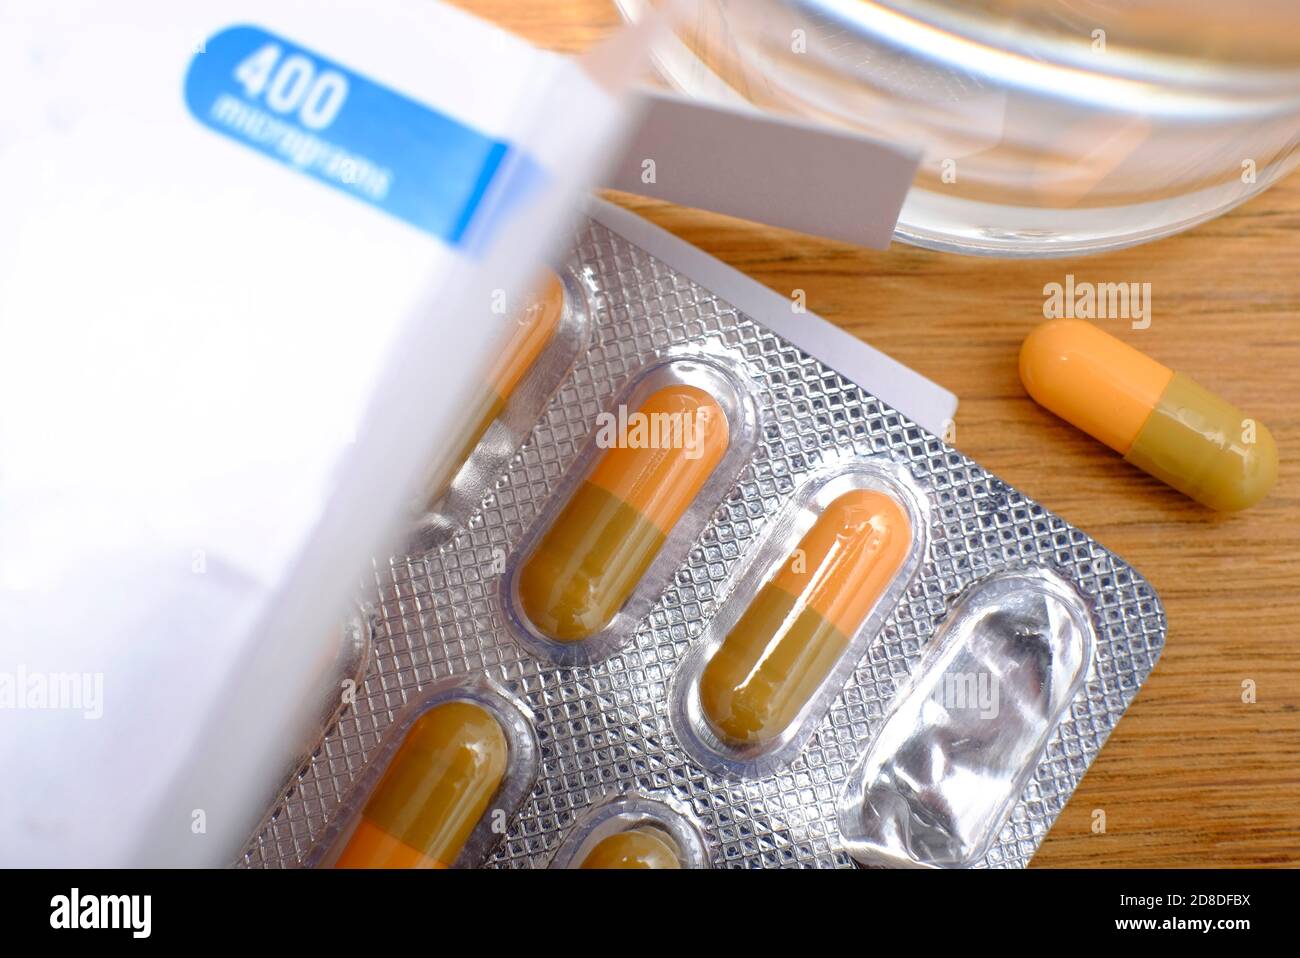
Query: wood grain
[[1193, 776]]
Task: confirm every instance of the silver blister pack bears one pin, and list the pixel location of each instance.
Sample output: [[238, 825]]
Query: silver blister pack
[[605, 727]]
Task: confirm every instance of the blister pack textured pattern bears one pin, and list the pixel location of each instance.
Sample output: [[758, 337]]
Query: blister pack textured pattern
[[605, 728]]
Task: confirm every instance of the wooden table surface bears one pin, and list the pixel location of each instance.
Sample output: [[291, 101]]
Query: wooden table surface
[[1193, 775]]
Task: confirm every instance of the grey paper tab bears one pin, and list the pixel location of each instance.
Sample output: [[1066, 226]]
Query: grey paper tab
[[789, 173]]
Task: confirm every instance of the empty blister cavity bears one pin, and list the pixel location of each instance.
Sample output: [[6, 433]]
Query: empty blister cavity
[[546, 335], [459, 759], [827, 574], [635, 832], [657, 465], [940, 778]]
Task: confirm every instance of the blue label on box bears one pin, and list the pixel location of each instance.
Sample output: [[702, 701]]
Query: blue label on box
[[322, 119]]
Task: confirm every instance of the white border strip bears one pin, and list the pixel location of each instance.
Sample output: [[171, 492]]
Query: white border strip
[[926, 403]]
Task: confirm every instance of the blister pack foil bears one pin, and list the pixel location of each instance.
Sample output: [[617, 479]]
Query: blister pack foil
[[886, 772]]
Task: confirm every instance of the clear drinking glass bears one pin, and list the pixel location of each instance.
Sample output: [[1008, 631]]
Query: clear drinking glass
[[1048, 127]]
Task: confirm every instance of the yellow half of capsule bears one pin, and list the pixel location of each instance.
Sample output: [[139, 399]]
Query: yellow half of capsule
[[797, 628], [600, 545], [635, 848], [433, 793], [1160, 421]]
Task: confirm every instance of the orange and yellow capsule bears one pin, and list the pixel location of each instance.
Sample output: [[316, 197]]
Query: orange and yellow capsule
[[600, 545], [776, 657], [641, 847], [433, 793], [536, 324], [1157, 419]]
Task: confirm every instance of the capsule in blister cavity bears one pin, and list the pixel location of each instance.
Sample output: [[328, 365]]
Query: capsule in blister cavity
[[599, 546], [632, 831], [776, 657], [536, 327], [1157, 419], [642, 847], [433, 793], [939, 780]]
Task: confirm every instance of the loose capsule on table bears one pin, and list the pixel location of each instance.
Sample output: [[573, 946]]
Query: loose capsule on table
[[773, 661], [1157, 419], [600, 545], [433, 793]]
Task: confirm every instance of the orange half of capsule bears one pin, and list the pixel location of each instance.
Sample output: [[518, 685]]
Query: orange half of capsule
[[535, 327], [433, 792], [596, 550], [785, 645], [1160, 421], [645, 847], [1092, 380]]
